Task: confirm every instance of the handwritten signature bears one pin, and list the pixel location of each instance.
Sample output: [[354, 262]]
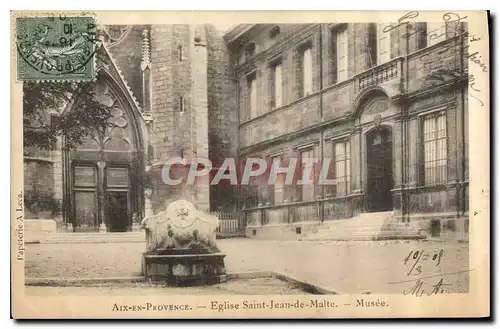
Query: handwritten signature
[[442, 69], [421, 288], [424, 277]]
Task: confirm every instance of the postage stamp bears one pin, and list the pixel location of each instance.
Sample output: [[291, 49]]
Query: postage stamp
[[55, 48]]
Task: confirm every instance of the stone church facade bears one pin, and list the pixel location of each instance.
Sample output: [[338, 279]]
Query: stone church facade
[[366, 96], [171, 94]]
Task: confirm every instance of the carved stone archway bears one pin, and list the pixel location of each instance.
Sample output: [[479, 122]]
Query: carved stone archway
[[376, 119], [103, 182]]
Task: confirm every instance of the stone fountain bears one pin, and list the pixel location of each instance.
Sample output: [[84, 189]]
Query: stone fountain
[[181, 248]]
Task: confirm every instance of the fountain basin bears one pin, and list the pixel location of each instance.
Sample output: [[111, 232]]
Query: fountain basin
[[184, 267]]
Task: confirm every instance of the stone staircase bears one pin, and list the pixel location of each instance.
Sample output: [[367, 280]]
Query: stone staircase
[[366, 226], [95, 237]]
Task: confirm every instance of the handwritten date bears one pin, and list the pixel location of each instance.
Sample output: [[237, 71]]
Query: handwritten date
[[416, 258]]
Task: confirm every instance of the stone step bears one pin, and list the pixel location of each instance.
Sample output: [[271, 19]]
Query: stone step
[[379, 214], [363, 220], [102, 236], [344, 233], [95, 237], [365, 226], [369, 237]]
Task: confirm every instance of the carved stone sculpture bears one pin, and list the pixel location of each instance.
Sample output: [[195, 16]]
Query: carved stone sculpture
[[181, 246]]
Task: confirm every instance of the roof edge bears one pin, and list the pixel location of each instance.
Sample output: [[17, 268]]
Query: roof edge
[[236, 32]]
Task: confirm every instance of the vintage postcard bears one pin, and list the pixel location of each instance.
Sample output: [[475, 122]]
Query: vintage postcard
[[249, 165]]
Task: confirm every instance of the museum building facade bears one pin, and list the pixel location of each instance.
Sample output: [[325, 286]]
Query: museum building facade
[[388, 105]]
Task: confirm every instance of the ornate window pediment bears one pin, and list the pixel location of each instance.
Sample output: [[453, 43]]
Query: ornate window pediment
[[376, 110]]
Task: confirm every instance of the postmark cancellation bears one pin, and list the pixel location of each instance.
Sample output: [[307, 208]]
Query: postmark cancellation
[[56, 47]]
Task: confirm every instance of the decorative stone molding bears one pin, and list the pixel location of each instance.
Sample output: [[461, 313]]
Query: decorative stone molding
[[146, 50]]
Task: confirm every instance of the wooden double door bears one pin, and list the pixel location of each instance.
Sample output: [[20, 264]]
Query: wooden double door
[[379, 170], [101, 193]]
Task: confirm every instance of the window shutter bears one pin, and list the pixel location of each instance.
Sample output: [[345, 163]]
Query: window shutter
[[340, 152], [372, 45], [394, 41], [307, 72], [330, 151], [278, 87], [298, 176], [421, 36], [442, 148], [306, 190], [348, 166], [384, 43], [421, 155], [253, 97], [342, 50], [333, 58], [265, 181], [271, 87]]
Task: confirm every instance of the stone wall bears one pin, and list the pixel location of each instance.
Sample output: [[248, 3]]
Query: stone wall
[[288, 119], [38, 189], [127, 54], [222, 114]]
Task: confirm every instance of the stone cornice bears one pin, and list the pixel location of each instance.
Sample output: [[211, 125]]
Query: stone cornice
[[237, 32], [410, 97], [278, 48], [292, 135]]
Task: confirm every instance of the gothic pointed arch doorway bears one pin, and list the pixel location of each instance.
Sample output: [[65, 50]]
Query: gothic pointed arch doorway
[[103, 183]]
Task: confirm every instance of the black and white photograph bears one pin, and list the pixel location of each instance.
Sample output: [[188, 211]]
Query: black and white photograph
[[313, 169]]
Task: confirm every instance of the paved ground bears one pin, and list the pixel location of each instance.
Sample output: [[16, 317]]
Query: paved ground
[[256, 286], [345, 267]]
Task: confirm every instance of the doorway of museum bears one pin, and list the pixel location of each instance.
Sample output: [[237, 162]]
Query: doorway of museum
[[379, 170]]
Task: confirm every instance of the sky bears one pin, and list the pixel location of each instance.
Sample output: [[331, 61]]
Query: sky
[[224, 26]]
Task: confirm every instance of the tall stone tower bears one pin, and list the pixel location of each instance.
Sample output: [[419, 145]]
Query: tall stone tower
[[179, 108]]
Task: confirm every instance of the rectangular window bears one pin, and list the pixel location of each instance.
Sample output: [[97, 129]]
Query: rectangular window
[[279, 186], [342, 51], [182, 104], [435, 149], [383, 44], [277, 87], [180, 53], [307, 78], [436, 32], [342, 163], [251, 196], [252, 95], [306, 190]]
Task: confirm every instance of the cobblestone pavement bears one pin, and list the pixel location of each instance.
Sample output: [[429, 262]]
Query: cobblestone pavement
[[344, 267]]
